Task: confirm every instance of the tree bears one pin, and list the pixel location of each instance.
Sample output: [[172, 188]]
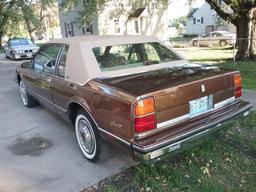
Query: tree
[[241, 13], [34, 13], [6, 8]]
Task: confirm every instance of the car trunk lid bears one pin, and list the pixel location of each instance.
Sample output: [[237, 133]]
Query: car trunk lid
[[176, 91]]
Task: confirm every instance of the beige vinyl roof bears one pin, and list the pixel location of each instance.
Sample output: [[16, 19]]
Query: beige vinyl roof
[[81, 64]]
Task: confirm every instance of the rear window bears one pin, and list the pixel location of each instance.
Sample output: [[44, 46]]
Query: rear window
[[118, 57], [17, 42]]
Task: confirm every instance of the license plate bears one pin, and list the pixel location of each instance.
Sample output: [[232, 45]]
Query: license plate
[[29, 54], [201, 105]]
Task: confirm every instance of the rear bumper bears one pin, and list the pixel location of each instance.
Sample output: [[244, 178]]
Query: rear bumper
[[180, 142]]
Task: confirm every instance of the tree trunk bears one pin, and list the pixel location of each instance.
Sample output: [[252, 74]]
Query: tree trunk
[[243, 32], [29, 28], [252, 50], [31, 35], [1, 40]]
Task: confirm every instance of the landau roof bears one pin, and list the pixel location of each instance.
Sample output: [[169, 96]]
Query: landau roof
[[81, 64]]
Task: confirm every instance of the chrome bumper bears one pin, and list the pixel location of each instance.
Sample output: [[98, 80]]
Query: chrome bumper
[[183, 141]]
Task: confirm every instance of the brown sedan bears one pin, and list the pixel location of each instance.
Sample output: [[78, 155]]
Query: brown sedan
[[132, 91]]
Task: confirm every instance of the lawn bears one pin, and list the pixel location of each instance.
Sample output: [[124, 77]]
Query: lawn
[[1, 50], [226, 162], [223, 58]]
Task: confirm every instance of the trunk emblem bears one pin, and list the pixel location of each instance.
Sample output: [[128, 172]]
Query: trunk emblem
[[203, 88]]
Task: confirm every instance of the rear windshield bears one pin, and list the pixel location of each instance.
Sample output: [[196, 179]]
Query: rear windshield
[[118, 57], [16, 42]]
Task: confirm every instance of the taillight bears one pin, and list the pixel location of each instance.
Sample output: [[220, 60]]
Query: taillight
[[144, 115], [238, 85]]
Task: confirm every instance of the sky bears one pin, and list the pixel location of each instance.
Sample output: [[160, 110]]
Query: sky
[[179, 8]]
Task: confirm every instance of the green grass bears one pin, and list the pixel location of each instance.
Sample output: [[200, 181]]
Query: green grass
[[224, 163], [223, 58]]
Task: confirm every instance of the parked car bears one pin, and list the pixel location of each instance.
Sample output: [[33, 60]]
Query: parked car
[[216, 38], [20, 48], [130, 90]]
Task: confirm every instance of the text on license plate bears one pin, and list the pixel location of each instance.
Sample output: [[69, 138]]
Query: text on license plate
[[201, 105]]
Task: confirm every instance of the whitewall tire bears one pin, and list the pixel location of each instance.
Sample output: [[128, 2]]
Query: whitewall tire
[[87, 135]]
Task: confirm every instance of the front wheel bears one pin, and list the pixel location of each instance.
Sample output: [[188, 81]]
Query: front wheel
[[88, 136], [195, 43], [26, 98]]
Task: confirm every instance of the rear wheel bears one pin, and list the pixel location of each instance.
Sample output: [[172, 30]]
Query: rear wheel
[[27, 100], [223, 43], [88, 136]]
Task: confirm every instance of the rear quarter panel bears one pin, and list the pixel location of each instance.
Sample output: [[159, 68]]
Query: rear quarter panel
[[111, 109]]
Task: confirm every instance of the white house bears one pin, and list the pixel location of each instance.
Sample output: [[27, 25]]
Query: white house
[[142, 19], [204, 20]]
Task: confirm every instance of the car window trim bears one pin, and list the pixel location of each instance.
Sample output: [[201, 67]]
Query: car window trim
[[57, 58], [58, 61]]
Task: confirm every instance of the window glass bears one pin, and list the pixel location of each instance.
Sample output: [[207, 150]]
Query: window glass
[[207, 35], [216, 35], [17, 42], [45, 59], [132, 55], [62, 62]]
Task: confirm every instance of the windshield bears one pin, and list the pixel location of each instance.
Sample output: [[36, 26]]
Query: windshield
[[132, 55], [17, 42]]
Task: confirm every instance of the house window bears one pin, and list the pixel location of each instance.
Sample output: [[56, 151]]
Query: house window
[[154, 5], [69, 29], [87, 29], [136, 26], [85, 2], [198, 20], [117, 27]]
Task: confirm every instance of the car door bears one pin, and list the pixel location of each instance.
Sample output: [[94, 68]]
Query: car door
[[215, 39], [43, 70], [204, 40], [61, 89]]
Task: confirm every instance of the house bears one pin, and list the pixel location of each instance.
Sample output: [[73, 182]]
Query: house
[[143, 18], [204, 20]]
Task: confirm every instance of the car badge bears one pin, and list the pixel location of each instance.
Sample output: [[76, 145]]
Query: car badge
[[203, 88]]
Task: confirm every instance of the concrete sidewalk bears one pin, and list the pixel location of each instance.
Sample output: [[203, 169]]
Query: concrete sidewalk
[[250, 96]]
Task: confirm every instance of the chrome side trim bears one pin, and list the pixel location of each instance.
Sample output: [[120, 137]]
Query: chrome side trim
[[47, 100], [225, 102], [172, 121], [116, 137]]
